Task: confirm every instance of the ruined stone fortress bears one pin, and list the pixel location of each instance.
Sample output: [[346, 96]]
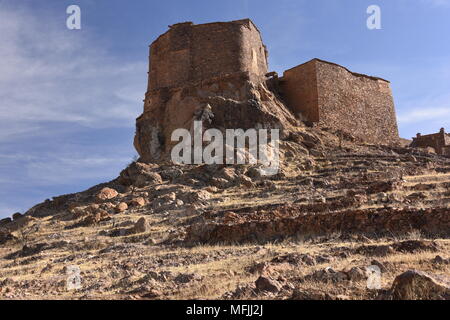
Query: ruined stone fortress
[[440, 142], [218, 73]]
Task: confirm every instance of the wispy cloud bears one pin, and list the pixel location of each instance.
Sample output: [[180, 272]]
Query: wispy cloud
[[52, 74], [425, 115], [60, 170], [67, 108]]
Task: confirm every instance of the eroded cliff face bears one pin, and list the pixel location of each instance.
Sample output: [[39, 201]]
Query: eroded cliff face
[[221, 81], [223, 103]]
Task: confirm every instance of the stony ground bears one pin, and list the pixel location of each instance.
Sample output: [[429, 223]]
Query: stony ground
[[336, 207]]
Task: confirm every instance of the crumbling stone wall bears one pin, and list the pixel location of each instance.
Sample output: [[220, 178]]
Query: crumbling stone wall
[[440, 142], [332, 96], [300, 91], [217, 73], [191, 53]]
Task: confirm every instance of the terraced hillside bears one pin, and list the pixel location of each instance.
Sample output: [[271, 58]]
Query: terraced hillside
[[159, 231]]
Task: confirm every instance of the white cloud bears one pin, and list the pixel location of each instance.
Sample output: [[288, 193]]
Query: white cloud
[[419, 115], [49, 73], [57, 85], [68, 168], [434, 110]]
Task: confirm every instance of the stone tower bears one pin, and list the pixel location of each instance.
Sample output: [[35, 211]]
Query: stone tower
[[219, 67], [190, 53]]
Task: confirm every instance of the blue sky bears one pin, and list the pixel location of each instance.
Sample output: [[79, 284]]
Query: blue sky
[[69, 98]]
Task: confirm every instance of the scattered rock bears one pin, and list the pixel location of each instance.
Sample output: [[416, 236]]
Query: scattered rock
[[383, 251], [308, 139], [171, 174], [138, 202], [228, 174], [99, 216], [212, 189], [108, 206], [381, 187], [375, 250], [356, 274], [4, 222], [323, 259], [152, 294], [259, 268], [269, 185], [242, 291], [139, 175], [246, 182], [440, 260], [328, 274], [184, 278], [16, 216], [220, 183], [297, 259], [300, 294], [141, 226], [267, 284], [121, 207]]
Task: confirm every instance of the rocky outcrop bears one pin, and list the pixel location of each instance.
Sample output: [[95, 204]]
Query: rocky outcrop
[[285, 221], [216, 105], [267, 284]]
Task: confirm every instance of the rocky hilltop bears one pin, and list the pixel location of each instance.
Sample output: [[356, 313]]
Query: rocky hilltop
[[339, 206]]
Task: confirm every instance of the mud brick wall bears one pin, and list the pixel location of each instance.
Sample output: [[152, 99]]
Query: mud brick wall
[[190, 53], [335, 97], [358, 104], [299, 90]]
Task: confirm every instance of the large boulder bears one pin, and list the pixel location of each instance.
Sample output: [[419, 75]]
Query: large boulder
[[16, 216], [121, 207], [418, 285], [140, 226], [5, 221], [254, 107], [267, 284], [107, 194]]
